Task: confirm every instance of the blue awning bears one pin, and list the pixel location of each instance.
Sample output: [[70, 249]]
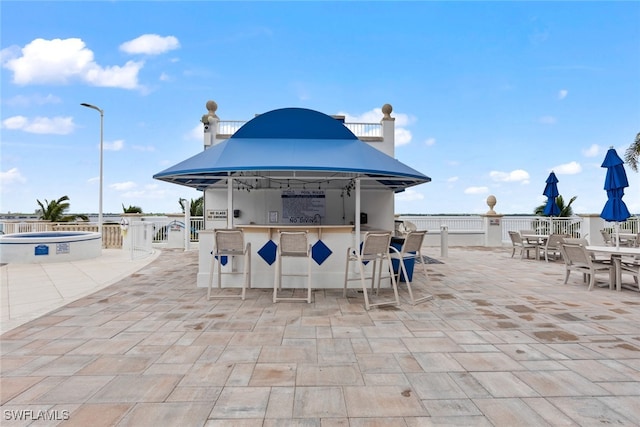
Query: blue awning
[[293, 143]]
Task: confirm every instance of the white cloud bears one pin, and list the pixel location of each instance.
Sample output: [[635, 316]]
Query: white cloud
[[196, 132], [517, 175], [402, 137], [61, 61], [116, 145], [452, 179], [409, 195], [41, 125], [592, 151], [150, 192], [150, 44], [562, 94], [476, 190], [430, 141], [123, 186], [29, 100], [12, 176], [547, 120], [570, 168]]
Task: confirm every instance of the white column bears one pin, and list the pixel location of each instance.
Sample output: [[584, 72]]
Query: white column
[[357, 213], [230, 202], [388, 131]]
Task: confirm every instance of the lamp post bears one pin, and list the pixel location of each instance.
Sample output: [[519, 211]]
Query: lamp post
[[93, 107]]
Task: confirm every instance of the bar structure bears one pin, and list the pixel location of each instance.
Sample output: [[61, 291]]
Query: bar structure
[[295, 169]]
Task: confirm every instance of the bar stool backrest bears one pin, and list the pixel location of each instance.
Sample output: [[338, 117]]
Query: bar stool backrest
[[376, 244], [413, 241], [229, 241], [293, 243]]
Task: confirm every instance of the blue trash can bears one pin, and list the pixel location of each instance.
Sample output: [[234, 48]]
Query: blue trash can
[[397, 243]]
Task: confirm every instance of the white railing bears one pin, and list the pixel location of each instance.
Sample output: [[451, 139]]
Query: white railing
[[361, 130], [542, 225], [475, 224], [10, 227], [454, 223], [631, 225], [229, 127], [365, 130], [197, 224]]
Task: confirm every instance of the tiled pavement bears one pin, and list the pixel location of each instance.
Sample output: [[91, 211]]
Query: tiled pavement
[[503, 343]]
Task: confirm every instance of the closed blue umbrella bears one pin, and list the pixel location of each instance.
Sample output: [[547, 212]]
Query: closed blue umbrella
[[551, 191], [615, 210]]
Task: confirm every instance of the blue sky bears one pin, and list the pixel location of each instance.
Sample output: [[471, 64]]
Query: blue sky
[[489, 97]]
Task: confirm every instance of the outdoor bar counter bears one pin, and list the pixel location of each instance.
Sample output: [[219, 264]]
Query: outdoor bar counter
[[294, 169], [329, 248]]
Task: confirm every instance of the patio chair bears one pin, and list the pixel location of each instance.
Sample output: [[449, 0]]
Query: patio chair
[[552, 246], [521, 245], [229, 244], [577, 258], [523, 234], [583, 242], [630, 266], [606, 236], [411, 250], [375, 250], [293, 244]]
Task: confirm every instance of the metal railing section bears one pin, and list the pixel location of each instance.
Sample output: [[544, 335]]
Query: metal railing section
[[454, 223], [229, 127], [364, 130], [542, 225]]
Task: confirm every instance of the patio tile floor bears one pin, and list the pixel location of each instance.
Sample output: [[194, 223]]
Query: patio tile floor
[[503, 342]]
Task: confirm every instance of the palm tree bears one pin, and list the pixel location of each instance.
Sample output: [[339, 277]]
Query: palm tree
[[565, 211], [132, 209], [54, 211], [196, 207], [632, 155]]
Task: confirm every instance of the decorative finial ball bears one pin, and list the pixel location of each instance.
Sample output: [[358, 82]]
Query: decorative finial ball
[[387, 109], [212, 106], [491, 202]]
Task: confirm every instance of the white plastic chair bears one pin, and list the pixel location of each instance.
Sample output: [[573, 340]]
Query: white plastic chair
[[519, 244], [411, 250], [552, 246], [230, 243], [577, 258], [375, 249], [292, 244]]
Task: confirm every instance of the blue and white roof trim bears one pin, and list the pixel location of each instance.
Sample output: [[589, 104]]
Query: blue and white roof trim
[[293, 144]]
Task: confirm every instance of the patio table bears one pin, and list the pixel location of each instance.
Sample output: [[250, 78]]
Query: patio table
[[616, 256], [536, 239]]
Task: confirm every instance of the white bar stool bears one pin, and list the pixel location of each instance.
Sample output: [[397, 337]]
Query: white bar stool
[[230, 243], [411, 250], [375, 248], [292, 244]]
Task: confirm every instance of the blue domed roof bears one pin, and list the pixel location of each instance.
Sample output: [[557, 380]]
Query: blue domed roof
[[294, 123], [298, 142]]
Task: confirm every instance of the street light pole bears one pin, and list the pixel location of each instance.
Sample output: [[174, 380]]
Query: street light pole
[[93, 107]]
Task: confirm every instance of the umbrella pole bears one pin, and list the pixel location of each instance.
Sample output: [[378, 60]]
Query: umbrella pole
[[617, 226]]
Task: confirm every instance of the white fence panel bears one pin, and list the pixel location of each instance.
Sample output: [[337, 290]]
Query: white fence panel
[[141, 244], [454, 223]]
